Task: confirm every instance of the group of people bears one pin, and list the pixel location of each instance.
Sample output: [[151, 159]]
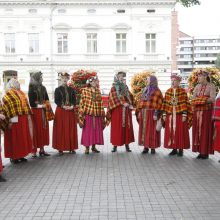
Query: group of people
[[26, 128]]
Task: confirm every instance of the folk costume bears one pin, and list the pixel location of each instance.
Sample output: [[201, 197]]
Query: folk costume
[[65, 137], [91, 115], [202, 128], [177, 115], [148, 115], [40, 105], [216, 120], [18, 136], [119, 114]]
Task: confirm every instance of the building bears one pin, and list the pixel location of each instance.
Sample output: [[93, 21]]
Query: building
[[196, 52], [67, 35]]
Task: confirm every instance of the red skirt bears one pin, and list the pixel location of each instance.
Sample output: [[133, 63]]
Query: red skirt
[[17, 139], [65, 137], [1, 166], [202, 132], [178, 139], [121, 133], [216, 143], [148, 136], [41, 129]]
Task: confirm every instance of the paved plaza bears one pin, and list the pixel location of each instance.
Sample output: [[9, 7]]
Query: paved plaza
[[112, 186]]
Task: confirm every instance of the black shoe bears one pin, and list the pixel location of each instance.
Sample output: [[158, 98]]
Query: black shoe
[[60, 153], [14, 161], [23, 159], [127, 148], [199, 156], [204, 157], [87, 150], [72, 152], [145, 151], [94, 150], [114, 149], [153, 151], [43, 153], [2, 179], [34, 156], [173, 152], [180, 153]]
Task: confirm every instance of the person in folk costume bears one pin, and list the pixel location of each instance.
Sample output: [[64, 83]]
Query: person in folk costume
[[148, 114], [91, 115], [216, 120], [2, 119], [202, 101], [18, 136], [65, 136], [119, 113], [177, 116], [38, 99]]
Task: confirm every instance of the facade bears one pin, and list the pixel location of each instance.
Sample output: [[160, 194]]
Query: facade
[[196, 52], [105, 36]]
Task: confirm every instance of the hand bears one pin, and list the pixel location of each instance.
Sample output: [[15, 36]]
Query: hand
[[44, 106], [126, 105], [155, 117], [184, 118], [164, 117], [131, 107], [2, 117]]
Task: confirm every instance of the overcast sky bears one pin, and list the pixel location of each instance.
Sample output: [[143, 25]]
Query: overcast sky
[[203, 19]]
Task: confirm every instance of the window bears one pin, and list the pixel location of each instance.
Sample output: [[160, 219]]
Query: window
[[62, 43], [187, 56], [150, 43], [33, 43], [121, 43], [121, 11], [150, 10], [91, 43], [187, 49], [10, 43], [32, 11]]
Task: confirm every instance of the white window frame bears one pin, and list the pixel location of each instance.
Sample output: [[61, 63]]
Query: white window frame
[[150, 42], [92, 43], [121, 43], [10, 43], [62, 43], [33, 40]]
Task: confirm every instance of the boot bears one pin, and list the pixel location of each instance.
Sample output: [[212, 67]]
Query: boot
[[94, 150], [180, 153], [114, 149], [153, 151], [87, 150], [127, 148], [145, 151], [173, 152]]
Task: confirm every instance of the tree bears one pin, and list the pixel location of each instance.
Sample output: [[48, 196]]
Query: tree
[[188, 3], [217, 62]]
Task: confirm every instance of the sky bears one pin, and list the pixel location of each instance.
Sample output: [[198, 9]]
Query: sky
[[200, 20]]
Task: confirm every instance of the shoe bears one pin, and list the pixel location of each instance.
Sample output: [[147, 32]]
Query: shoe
[[43, 153], [114, 149], [87, 150], [127, 148], [94, 150], [180, 153], [145, 151], [72, 152], [2, 179], [204, 157], [60, 152], [14, 161], [23, 159], [173, 152], [199, 156], [153, 151], [34, 156]]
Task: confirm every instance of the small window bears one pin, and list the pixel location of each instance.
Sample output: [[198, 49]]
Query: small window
[[32, 11], [150, 10], [61, 11], [91, 11], [121, 11]]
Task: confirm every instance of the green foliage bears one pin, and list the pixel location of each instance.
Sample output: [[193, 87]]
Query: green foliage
[[189, 3]]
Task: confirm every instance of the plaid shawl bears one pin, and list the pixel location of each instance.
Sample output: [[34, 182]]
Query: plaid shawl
[[3, 123], [182, 105], [15, 103], [90, 104], [155, 101], [201, 104]]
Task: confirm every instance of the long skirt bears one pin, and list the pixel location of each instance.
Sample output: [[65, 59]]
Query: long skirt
[[92, 132], [176, 136], [41, 129], [202, 132], [121, 127], [65, 136], [148, 136], [18, 139], [216, 137]]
